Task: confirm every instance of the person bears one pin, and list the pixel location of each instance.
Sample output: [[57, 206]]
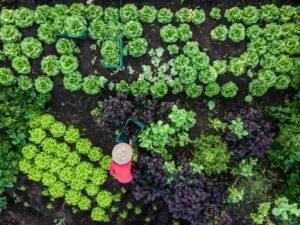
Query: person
[[121, 163]]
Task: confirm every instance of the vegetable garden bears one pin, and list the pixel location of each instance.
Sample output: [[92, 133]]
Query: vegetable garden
[[216, 84]]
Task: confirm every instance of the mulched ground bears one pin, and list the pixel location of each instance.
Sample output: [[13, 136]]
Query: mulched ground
[[74, 108]]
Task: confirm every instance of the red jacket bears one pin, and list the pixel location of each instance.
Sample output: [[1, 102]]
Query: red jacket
[[121, 172]]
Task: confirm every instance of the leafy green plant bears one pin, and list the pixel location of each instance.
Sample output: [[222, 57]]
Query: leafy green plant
[[198, 16], [6, 76], [237, 66], [182, 119], [237, 127], [65, 46], [21, 64], [193, 90], [57, 129], [46, 33], [173, 49], [23, 17], [24, 82], [269, 12], [93, 84], [283, 64], [164, 15], [129, 12], [267, 77], [210, 153], [99, 214], [212, 89], [68, 63], [6, 16], [184, 32], [140, 88], [97, 29], [133, 29], [73, 81], [11, 50], [262, 214], [219, 33], [254, 32], [215, 13], [250, 15], [257, 88], [71, 135], [284, 210], [50, 65], [220, 66], [282, 82], [235, 195], [229, 89], [200, 61], [104, 199], [93, 12], [9, 34], [233, 14], [188, 75], [191, 48], [208, 76], [43, 84], [159, 89], [184, 15], [31, 47], [147, 14], [137, 47], [169, 33], [237, 32]]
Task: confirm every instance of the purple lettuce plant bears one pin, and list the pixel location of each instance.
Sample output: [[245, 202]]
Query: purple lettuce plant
[[257, 141]]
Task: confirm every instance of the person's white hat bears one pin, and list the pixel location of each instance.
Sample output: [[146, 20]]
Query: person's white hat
[[122, 153]]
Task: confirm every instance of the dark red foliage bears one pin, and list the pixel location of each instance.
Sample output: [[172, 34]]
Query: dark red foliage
[[116, 110], [260, 134], [189, 196]]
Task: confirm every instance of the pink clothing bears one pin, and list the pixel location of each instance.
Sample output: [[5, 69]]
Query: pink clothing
[[121, 172]]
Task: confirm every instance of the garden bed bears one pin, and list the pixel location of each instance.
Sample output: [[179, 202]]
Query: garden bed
[[74, 108]]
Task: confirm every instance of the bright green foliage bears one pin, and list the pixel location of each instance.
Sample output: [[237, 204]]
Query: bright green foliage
[[229, 89], [188, 75], [110, 52], [286, 13], [6, 76], [282, 82], [140, 88], [269, 12], [200, 61], [184, 32], [235, 195], [99, 214], [276, 47], [43, 84], [137, 47], [284, 210], [9, 34], [254, 32], [212, 89], [49, 145], [233, 14], [283, 64], [262, 214], [68, 63], [31, 47], [93, 12], [219, 33], [181, 62], [237, 66], [84, 203], [29, 151], [93, 84], [169, 33], [182, 119], [104, 199], [97, 29], [83, 146], [11, 50], [257, 88], [198, 16], [95, 154], [258, 45], [159, 89], [236, 127], [129, 12], [44, 121], [57, 190], [72, 135], [133, 29], [73, 81], [23, 17], [271, 31], [111, 15], [77, 9], [245, 168], [37, 135], [41, 14], [268, 61], [237, 32], [74, 26], [57, 129], [21, 64], [173, 49], [250, 15], [193, 90], [211, 153], [24, 83], [184, 15], [50, 65], [65, 46], [220, 66], [191, 48], [105, 162], [292, 45], [164, 15], [147, 14], [46, 33], [208, 76], [215, 13], [267, 77], [7, 16]]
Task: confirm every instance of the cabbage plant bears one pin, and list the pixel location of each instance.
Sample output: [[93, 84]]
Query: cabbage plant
[[31, 47], [21, 65]]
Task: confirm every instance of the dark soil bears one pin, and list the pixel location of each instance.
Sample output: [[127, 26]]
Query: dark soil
[[74, 109]]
